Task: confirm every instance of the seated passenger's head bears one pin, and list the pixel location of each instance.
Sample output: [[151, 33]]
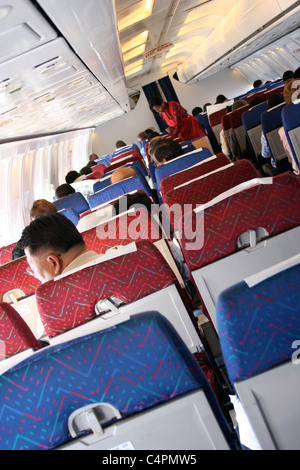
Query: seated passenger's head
[[71, 176], [64, 190], [42, 207], [120, 144], [166, 151], [50, 244], [121, 174]]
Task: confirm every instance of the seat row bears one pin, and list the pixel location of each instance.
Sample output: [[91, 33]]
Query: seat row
[[240, 214]]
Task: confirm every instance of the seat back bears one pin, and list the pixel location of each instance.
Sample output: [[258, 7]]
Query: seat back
[[258, 321], [237, 126], [122, 229], [271, 122], [71, 214], [269, 203], [70, 301], [180, 163], [15, 334], [6, 253], [187, 146], [216, 123], [14, 275], [199, 169], [291, 123], [74, 201], [208, 186], [113, 165], [116, 190], [111, 366], [252, 125]]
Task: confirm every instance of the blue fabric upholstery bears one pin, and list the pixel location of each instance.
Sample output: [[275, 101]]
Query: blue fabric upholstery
[[258, 325], [116, 190], [180, 163], [133, 366], [74, 201]]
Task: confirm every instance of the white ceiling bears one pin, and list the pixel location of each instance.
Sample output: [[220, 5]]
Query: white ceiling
[[70, 64]]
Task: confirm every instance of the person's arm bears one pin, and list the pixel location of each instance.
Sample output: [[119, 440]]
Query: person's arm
[[176, 111]]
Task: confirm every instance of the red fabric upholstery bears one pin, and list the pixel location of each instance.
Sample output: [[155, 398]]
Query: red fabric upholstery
[[70, 301], [195, 171], [13, 275], [276, 207], [15, 334]]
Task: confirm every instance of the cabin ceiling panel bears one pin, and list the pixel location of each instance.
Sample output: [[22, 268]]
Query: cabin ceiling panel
[[247, 27]]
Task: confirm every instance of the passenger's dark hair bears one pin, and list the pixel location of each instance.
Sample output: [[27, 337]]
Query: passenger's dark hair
[[86, 170], [155, 101], [64, 190], [257, 83], [296, 74], [287, 75], [197, 111], [221, 99], [72, 176], [275, 100], [128, 201], [168, 150], [55, 232], [256, 100]]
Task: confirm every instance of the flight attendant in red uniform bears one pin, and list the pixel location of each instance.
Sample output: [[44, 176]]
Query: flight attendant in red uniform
[[180, 123]]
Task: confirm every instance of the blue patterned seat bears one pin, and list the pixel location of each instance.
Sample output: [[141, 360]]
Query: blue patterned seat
[[259, 328], [257, 325], [180, 163], [132, 366], [116, 190]]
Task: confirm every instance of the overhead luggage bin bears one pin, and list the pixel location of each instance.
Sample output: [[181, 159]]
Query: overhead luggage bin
[[22, 28]]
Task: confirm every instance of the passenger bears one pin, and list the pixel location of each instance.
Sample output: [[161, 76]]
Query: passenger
[[121, 174], [288, 74], [154, 143], [221, 99], [197, 111], [73, 177], [93, 157], [120, 144], [205, 106], [180, 123], [229, 144], [166, 151], [64, 190], [53, 246], [297, 73], [256, 100], [39, 208], [291, 93], [257, 83], [86, 170], [150, 134]]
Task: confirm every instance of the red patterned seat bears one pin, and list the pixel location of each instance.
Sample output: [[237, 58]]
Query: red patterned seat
[[13, 275], [122, 230], [275, 207], [206, 187], [70, 301], [6, 253], [15, 335], [205, 166]]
